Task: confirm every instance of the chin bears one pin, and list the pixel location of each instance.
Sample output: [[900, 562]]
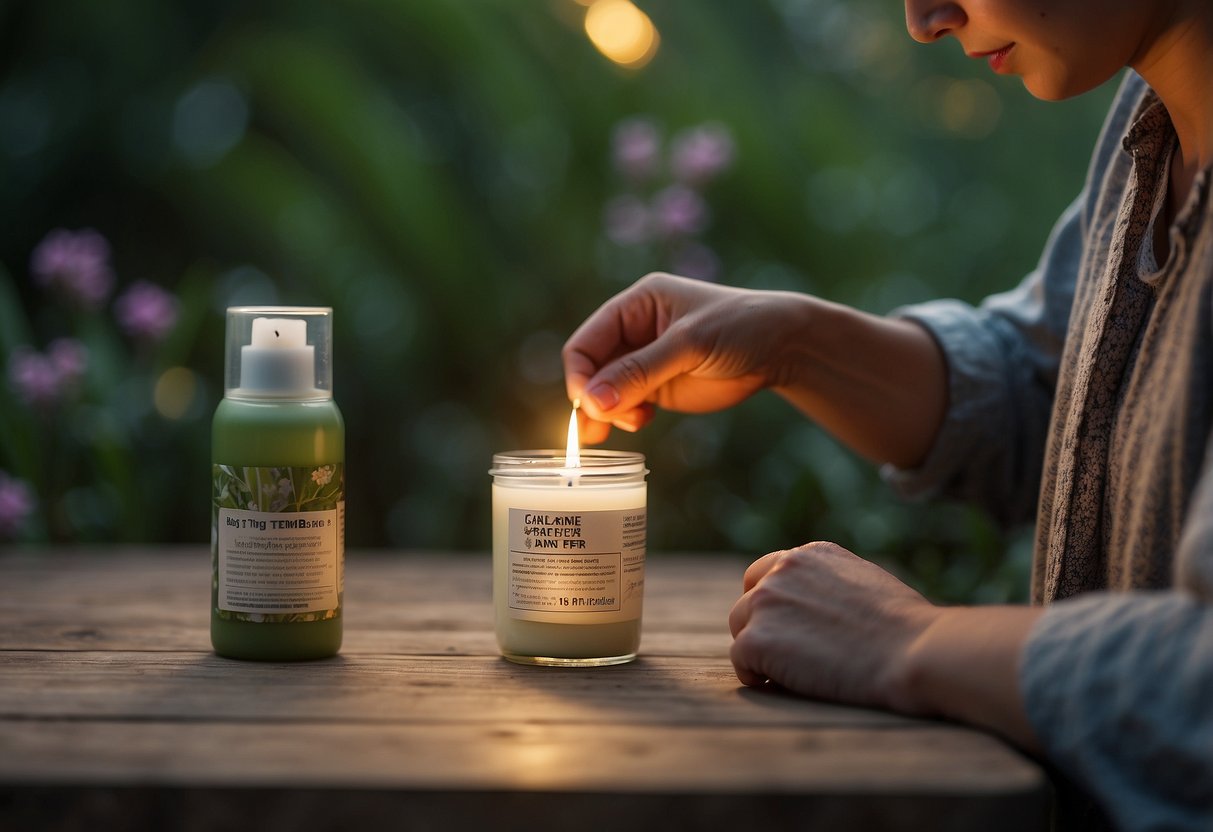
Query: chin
[[1046, 93], [1059, 89]]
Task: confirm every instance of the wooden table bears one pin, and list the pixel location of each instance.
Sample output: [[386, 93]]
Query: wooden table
[[114, 714]]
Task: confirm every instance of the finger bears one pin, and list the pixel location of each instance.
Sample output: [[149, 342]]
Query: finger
[[739, 615], [591, 431], [625, 351], [746, 674], [631, 380], [579, 368], [634, 419], [623, 322], [759, 569]]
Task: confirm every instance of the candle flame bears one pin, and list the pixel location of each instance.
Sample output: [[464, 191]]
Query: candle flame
[[572, 453]]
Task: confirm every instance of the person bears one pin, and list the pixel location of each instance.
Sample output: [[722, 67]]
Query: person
[[1083, 397]]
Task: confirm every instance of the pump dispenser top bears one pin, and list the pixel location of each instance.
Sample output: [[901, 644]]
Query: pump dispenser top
[[281, 353]]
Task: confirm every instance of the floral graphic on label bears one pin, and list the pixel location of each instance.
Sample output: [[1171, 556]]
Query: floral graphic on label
[[277, 542]]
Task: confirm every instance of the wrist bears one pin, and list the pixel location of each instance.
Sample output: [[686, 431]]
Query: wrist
[[964, 666], [800, 341], [905, 687], [914, 677]]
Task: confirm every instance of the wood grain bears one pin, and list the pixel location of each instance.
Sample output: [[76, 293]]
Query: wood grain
[[115, 712]]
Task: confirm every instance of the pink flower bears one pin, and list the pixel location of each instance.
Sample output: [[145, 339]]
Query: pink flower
[[700, 153], [679, 211], [16, 505], [42, 379], [636, 146], [145, 311], [75, 263]]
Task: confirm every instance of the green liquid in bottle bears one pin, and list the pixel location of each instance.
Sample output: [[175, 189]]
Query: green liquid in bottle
[[286, 435]]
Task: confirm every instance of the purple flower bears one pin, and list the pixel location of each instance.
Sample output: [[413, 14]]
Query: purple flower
[[700, 153], [679, 211], [636, 146], [16, 505], [69, 358], [145, 311], [33, 376], [75, 263], [627, 221], [42, 379]]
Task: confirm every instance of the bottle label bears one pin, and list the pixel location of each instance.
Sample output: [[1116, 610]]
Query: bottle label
[[576, 567], [278, 542]]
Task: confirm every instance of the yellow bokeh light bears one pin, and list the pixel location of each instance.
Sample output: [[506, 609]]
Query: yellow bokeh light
[[622, 32], [175, 391]]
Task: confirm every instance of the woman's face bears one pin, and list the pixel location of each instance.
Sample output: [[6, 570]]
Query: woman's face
[[1059, 48]]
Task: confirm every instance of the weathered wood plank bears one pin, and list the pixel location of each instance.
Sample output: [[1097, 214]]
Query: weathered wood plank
[[506, 755], [44, 630], [190, 686], [114, 713], [159, 601]]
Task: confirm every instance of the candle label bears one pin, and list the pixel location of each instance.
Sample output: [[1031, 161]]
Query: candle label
[[573, 567], [279, 542]]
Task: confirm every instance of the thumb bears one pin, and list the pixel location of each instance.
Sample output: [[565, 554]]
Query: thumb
[[632, 379]]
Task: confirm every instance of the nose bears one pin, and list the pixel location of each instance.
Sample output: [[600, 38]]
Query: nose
[[930, 20]]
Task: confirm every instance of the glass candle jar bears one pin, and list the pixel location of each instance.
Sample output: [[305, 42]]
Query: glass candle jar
[[568, 556]]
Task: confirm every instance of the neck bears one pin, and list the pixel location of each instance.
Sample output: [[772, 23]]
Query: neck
[[1176, 60]]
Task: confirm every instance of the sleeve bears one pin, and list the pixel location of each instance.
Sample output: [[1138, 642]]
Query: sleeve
[[1119, 688], [1002, 359]]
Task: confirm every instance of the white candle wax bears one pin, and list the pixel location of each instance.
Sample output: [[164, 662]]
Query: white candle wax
[[568, 556]]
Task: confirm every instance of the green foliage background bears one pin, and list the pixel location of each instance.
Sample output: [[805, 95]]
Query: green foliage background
[[436, 171]]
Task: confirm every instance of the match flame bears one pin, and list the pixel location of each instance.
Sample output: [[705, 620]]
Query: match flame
[[572, 453]]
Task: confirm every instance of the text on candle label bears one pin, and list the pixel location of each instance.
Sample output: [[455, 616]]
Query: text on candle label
[[582, 567]]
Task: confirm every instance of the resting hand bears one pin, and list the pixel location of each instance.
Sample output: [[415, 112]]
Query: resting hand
[[823, 622], [826, 623], [681, 344]]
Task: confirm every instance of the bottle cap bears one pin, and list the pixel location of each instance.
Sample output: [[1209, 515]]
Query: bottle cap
[[279, 352]]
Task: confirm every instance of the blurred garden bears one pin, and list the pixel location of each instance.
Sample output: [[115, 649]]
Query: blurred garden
[[463, 182]]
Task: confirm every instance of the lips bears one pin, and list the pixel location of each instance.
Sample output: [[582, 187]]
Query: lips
[[996, 57]]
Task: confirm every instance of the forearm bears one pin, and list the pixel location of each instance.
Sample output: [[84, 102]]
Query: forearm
[[878, 384], [965, 666]]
